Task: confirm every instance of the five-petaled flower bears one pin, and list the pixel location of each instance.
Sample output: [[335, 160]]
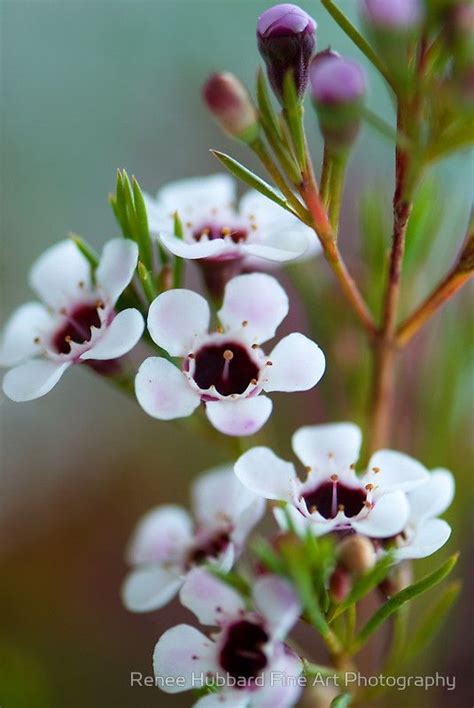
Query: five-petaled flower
[[226, 369], [213, 228], [334, 497], [424, 533], [166, 545], [77, 322], [246, 653]]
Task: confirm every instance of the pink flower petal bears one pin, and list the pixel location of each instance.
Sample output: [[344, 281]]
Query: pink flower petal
[[265, 474], [119, 337], [390, 470], [433, 496], [60, 275], [181, 655], [429, 537], [387, 518], [149, 588], [198, 249], [116, 267], [176, 318], [209, 598], [278, 603], [297, 365], [328, 449], [259, 301], [162, 535], [27, 322], [241, 417], [33, 379], [163, 391]]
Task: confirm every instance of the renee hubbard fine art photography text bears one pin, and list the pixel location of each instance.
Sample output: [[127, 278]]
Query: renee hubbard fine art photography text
[[340, 680]]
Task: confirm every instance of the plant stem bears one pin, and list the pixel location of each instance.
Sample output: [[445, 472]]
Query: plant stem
[[336, 187], [384, 345], [325, 177], [445, 290]]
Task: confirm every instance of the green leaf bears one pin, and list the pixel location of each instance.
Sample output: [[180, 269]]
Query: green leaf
[[268, 557], [294, 118], [341, 701], [87, 251], [234, 580], [146, 280], [424, 224], [178, 266], [401, 597], [252, 180], [365, 584], [385, 129], [143, 232], [118, 205], [432, 620]]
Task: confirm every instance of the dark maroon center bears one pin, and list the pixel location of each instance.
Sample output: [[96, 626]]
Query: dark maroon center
[[228, 367], [242, 655], [211, 547], [77, 328], [331, 497], [213, 231]]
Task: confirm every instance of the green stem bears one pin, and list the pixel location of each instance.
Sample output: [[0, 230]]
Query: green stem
[[325, 177], [336, 186]]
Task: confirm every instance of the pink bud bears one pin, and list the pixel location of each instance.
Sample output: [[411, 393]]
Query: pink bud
[[229, 102]]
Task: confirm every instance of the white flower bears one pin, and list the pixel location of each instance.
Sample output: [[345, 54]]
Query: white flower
[[215, 228], [247, 650], [77, 322], [424, 533], [333, 497], [166, 544], [226, 369]]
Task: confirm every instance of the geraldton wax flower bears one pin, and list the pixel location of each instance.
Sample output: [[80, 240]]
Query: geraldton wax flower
[[333, 497], [245, 651], [226, 369], [75, 323], [216, 229], [167, 544]]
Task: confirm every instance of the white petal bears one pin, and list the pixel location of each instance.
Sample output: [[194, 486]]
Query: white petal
[[116, 267], [159, 218], [429, 537], [265, 474], [219, 494], [387, 518], [214, 191], [329, 448], [297, 365], [257, 299], [149, 588], [162, 535], [396, 471], [209, 598], [281, 689], [163, 391], [238, 698], [119, 337], [33, 379], [278, 603], [241, 417], [176, 318], [432, 497], [298, 522], [182, 653], [56, 275], [198, 249], [27, 322]]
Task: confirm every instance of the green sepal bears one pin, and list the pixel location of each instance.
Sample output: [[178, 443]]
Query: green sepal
[[341, 701], [146, 280], [294, 117]]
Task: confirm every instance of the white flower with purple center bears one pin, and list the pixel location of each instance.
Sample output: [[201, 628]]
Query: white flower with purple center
[[215, 228], [333, 497], [76, 321], [424, 533], [167, 544], [226, 369], [246, 652]]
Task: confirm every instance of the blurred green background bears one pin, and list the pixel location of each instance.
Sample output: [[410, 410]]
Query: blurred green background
[[89, 86]]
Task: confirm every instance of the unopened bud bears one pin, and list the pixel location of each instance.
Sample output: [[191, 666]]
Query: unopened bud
[[392, 15], [399, 578], [357, 554], [340, 584], [338, 89], [229, 102], [286, 41]]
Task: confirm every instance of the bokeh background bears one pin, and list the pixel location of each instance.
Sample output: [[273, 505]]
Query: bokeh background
[[90, 86]]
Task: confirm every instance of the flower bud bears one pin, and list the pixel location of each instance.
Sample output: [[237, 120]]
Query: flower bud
[[229, 102], [398, 579], [338, 88], [357, 554], [340, 584], [392, 15], [286, 41]]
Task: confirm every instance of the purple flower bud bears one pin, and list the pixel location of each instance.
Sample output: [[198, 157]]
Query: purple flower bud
[[338, 87], [229, 102], [286, 41], [392, 14]]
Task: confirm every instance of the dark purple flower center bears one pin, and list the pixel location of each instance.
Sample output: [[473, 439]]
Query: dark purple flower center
[[214, 231], [76, 328], [229, 367], [242, 655], [210, 547], [331, 497]]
